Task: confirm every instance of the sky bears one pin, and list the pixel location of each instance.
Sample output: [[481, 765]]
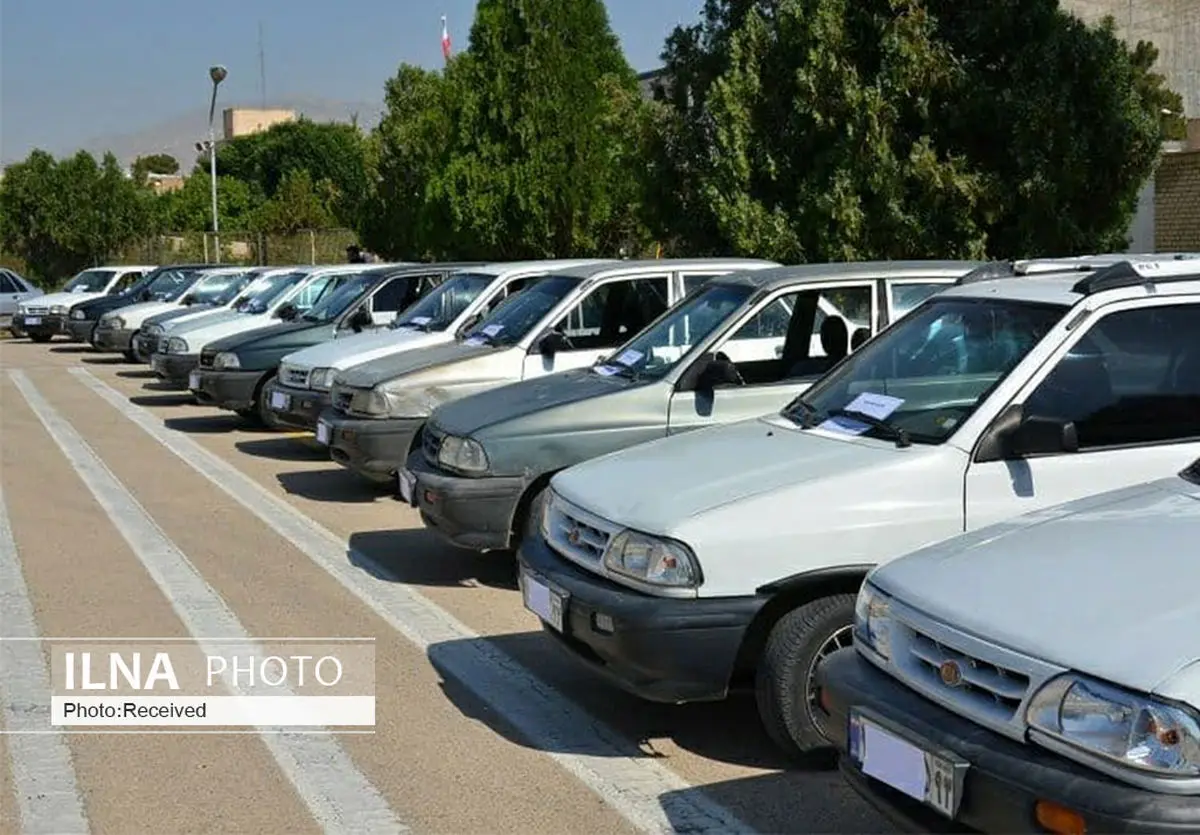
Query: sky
[[74, 70]]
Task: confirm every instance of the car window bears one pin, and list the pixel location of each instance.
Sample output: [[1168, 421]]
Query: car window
[[7, 285], [124, 283], [1133, 378], [510, 289], [521, 312], [693, 280], [311, 293], [396, 294], [89, 281], [435, 311], [904, 297], [613, 312]]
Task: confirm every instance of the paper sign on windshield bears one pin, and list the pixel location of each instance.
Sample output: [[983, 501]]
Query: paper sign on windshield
[[492, 330], [420, 320], [878, 406], [475, 340], [630, 357], [606, 370]]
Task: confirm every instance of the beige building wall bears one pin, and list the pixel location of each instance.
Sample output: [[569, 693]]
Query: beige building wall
[[240, 121]]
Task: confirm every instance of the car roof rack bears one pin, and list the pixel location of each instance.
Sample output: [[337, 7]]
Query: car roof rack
[[1081, 263], [1139, 273]]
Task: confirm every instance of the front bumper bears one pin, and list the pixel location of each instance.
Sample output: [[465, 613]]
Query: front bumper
[[81, 330], [374, 449], [296, 407], [109, 339], [175, 368], [474, 513], [1004, 779], [48, 324], [232, 390], [659, 649], [145, 346]]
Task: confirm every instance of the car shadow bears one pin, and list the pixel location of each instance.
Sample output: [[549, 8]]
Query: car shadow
[[338, 486], [73, 349], [137, 375], [728, 731], [107, 359], [416, 556], [178, 399], [205, 424], [284, 449]]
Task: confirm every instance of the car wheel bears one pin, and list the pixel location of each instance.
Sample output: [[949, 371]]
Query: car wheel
[[785, 682], [40, 337], [262, 410], [131, 354]]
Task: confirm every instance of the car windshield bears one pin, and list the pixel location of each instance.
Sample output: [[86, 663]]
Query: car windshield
[[437, 310], [339, 301], [266, 291], [517, 315], [171, 285], [89, 281], [221, 289], [927, 373], [654, 351]]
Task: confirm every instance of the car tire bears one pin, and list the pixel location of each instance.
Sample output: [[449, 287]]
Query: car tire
[[262, 408], [131, 355], [785, 681], [40, 337]]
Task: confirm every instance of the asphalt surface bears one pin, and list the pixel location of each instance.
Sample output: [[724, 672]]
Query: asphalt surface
[[131, 510]]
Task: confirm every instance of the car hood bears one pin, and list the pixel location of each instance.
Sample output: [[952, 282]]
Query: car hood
[[68, 299], [659, 485], [284, 336], [135, 314], [1104, 585], [364, 347], [208, 329], [208, 318], [370, 374], [183, 313], [495, 406]]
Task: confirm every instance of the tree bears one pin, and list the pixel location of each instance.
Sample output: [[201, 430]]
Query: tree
[[297, 205], [153, 164], [539, 165], [189, 209], [1153, 88]]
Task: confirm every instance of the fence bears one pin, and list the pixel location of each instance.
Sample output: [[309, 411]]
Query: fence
[[322, 246]]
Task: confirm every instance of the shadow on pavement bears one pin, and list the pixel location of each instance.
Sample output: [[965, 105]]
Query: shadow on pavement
[[285, 449], [73, 349], [786, 802], [137, 375], [418, 557], [329, 486], [106, 359], [205, 424], [182, 398], [728, 731]]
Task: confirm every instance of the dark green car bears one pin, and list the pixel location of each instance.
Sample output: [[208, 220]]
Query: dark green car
[[234, 371]]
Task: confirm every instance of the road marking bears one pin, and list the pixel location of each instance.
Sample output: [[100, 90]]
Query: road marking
[[647, 794], [47, 793], [340, 798]]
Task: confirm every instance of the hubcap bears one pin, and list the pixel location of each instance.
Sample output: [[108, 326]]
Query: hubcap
[[839, 639]]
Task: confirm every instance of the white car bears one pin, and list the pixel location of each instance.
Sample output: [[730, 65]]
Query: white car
[[45, 317], [267, 301], [731, 556], [305, 376], [14, 289], [115, 331]]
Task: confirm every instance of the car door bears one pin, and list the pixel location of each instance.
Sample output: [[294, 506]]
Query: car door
[[395, 294], [606, 317], [778, 349], [11, 293], [1130, 382]]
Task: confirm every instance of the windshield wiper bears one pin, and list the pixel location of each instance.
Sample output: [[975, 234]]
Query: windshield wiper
[[812, 416]]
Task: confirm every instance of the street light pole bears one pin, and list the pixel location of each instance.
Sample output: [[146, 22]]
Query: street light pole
[[217, 74]]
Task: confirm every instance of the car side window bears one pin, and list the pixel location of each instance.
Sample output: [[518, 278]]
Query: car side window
[[613, 312], [904, 297], [125, 282], [514, 286], [693, 280], [1133, 378], [312, 292], [395, 295], [7, 284]]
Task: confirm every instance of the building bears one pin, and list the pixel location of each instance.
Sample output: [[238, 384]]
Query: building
[[242, 121], [162, 183]]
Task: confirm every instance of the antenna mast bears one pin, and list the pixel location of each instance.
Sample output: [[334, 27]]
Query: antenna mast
[[262, 67]]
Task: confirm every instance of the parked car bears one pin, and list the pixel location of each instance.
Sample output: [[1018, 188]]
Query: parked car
[[305, 376], [83, 317], [14, 289], [740, 346], [567, 319], [235, 370], [730, 557], [116, 330], [45, 317], [1041, 674], [277, 298], [153, 336]]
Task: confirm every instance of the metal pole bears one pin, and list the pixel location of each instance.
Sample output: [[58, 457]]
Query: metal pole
[[212, 162]]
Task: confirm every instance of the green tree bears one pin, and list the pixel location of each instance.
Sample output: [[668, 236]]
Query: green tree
[[1153, 87], [298, 204], [189, 209], [153, 164], [538, 164]]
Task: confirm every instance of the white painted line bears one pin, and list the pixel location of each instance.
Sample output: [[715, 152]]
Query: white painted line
[[47, 794], [340, 798], [647, 794]]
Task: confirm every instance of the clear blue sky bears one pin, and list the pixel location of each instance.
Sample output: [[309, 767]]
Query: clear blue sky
[[74, 70]]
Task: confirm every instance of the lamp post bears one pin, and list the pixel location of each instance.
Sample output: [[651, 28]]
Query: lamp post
[[217, 74]]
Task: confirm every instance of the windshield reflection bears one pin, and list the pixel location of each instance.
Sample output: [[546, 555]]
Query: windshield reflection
[[517, 315], [437, 310]]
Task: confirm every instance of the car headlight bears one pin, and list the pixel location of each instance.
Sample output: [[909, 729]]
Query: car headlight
[[116, 323], [369, 402], [59, 309], [873, 621], [652, 560], [78, 315], [321, 379], [463, 454], [176, 345], [1137, 731], [226, 360]]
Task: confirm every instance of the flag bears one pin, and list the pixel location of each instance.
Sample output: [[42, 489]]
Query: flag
[[445, 40]]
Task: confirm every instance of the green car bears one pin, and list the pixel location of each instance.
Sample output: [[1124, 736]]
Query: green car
[[739, 346]]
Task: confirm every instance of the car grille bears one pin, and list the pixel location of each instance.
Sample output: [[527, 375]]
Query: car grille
[[431, 443], [207, 357], [996, 688], [37, 311], [576, 534], [295, 377]]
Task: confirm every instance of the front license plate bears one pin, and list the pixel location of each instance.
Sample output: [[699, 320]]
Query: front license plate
[[407, 482], [280, 401], [322, 432], [923, 775], [194, 380], [543, 601], [33, 320]]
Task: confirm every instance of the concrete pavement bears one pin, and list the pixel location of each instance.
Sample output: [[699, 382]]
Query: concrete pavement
[[137, 513]]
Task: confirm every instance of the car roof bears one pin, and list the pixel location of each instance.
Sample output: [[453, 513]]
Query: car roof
[[773, 277], [618, 267], [1128, 278], [549, 265]]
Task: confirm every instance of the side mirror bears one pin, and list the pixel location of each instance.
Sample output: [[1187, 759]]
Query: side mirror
[[1041, 435], [552, 343], [145, 296], [360, 319], [718, 371], [288, 312]]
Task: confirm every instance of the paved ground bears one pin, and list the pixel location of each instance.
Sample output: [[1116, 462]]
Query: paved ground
[[481, 725]]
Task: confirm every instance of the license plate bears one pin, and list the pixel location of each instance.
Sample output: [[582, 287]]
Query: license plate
[[322, 432], [280, 401], [923, 775], [194, 380], [407, 482], [33, 320], [543, 601]]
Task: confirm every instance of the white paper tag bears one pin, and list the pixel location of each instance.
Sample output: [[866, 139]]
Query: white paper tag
[[419, 320], [878, 406], [475, 340], [492, 330], [605, 370], [630, 357]]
